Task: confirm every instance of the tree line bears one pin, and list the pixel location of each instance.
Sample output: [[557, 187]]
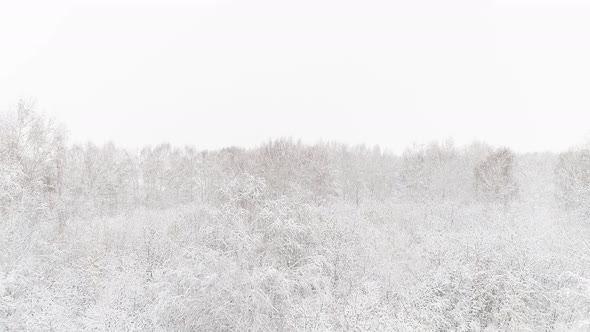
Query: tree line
[[41, 173]]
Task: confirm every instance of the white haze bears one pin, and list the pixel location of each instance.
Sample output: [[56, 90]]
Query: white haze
[[221, 73]]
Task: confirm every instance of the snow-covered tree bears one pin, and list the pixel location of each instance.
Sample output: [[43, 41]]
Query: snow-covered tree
[[573, 179], [494, 176], [427, 172], [32, 159]]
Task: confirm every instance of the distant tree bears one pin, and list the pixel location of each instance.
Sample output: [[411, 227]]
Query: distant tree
[[426, 172], [101, 180], [244, 192], [158, 175], [365, 173], [32, 158], [572, 175], [185, 167], [278, 162], [315, 174], [494, 176], [204, 178], [351, 175]]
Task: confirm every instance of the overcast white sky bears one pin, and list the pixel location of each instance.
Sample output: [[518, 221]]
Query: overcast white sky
[[217, 73]]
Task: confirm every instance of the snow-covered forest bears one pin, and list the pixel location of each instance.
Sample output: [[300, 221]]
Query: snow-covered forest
[[288, 236]]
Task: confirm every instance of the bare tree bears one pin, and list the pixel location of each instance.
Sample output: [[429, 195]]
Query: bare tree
[[494, 177], [573, 180]]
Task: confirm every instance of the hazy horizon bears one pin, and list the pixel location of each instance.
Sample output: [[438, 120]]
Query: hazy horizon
[[384, 147]]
